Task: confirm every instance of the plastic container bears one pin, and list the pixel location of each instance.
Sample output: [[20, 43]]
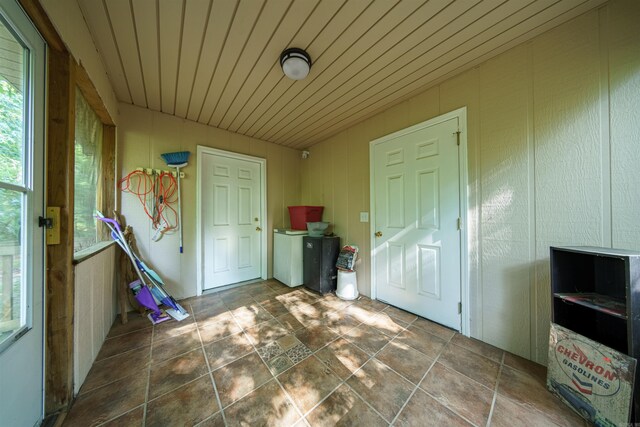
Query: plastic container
[[347, 285], [300, 215], [316, 229]]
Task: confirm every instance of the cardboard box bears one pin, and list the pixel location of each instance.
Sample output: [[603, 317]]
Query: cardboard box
[[592, 379]]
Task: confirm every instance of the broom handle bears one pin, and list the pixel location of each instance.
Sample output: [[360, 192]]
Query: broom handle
[[179, 208], [115, 227]]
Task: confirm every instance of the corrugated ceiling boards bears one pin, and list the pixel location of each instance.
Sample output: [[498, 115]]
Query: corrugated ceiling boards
[[217, 61]]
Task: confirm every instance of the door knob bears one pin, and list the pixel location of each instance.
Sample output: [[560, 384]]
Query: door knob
[[258, 229], [378, 233]]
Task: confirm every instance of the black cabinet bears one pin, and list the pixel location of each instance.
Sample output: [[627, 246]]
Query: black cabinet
[[596, 293], [319, 260]]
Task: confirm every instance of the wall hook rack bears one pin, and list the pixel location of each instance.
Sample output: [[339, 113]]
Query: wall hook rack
[[153, 171]]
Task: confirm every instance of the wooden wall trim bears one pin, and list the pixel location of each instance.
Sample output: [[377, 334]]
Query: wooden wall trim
[[107, 194], [83, 81], [64, 74], [59, 258], [41, 20]]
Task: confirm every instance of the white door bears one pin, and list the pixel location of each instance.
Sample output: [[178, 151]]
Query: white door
[[22, 62], [416, 191], [231, 204]]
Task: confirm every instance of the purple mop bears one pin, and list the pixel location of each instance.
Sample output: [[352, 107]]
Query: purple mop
[[145, 299], [159, 294], [139, 288]]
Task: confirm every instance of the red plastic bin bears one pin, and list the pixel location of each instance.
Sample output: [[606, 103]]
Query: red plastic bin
[[301, 215]]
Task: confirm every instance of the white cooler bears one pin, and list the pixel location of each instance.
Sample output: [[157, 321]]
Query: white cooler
[[287, 256], [347, 285]]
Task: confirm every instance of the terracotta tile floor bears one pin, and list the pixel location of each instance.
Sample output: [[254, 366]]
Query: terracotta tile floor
[[266, 354]]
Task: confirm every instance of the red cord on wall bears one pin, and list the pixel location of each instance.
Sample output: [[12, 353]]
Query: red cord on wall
[[157, 192]]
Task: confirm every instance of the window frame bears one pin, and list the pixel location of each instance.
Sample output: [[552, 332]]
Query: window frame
[[99, 170], [107, 197]]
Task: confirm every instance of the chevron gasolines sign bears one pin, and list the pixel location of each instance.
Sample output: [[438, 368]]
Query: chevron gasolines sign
[[592, 379]]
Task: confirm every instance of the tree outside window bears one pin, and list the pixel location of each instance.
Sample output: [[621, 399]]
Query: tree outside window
[[88, 172]]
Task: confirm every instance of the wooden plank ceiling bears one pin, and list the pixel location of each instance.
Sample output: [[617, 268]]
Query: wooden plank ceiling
[[217, 61]]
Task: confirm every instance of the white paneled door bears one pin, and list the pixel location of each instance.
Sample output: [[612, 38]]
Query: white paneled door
[[416, 205], [231, 214]]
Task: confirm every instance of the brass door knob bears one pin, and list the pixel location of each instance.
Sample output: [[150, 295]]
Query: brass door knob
[[258, 229], [378, 233]]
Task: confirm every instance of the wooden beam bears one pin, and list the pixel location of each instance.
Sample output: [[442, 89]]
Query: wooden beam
[[64, 74], [41, 20], [107, 194], [59, 276], [91, 94]]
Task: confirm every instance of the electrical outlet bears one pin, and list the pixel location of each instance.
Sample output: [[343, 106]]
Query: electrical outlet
[[364, 216]]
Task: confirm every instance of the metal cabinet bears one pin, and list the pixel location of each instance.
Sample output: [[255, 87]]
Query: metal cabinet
[[596, 293], [320, 255]]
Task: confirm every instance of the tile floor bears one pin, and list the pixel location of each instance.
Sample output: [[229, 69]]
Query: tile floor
[[266, 354]]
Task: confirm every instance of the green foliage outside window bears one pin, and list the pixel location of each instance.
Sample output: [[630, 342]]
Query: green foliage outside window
[[88, 150], [11, 135]]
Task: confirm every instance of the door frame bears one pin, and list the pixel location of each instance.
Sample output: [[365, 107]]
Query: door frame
[[29, 339], [201, 149], [461, 115]]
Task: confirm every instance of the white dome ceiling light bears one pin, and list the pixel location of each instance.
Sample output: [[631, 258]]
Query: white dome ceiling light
[[295, 63]]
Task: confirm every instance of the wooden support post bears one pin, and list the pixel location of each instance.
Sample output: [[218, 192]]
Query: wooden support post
[[107, 194], [64, 74], [125, 270], [59, 276]]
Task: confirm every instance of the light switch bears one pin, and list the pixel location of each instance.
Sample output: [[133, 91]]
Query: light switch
[[364, 216]]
